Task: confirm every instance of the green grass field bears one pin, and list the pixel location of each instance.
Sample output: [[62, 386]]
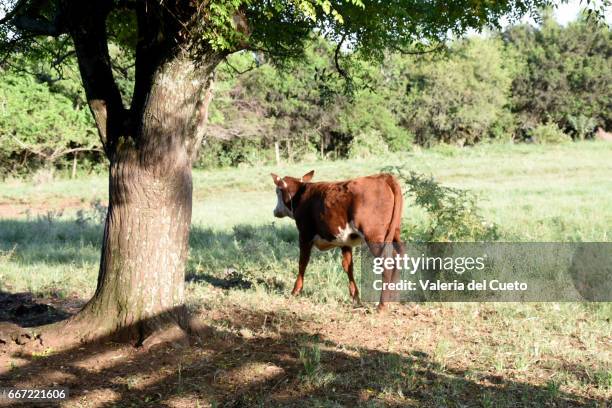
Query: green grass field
[[243, 263]]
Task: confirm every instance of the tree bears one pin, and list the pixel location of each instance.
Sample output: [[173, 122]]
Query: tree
[[566, 76], [460, 98], [151, 143], [295, 105]]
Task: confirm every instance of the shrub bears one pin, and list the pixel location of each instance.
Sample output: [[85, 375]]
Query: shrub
[[453, 214], [38, 126], [582, 125], [400, 141], [548, 134], [367, 144], [233, 152]]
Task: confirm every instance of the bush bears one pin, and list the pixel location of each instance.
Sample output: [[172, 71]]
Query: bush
[[583, 125], [234, 152], [38, 126], [453, 214], [401, 141], [548, 134], [367, 144], [459, 99]]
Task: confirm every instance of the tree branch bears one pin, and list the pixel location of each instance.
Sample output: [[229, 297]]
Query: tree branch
[[202, 113], [57, 153], [61, 58], [236, 70], [418, 52], [29, 148], [37, 26], [149, 52], [88, 31], [60, 153], [28, 17], [340, 70], [9, 47]]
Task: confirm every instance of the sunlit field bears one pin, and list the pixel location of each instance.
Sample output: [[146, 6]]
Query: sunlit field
[[317, 348]]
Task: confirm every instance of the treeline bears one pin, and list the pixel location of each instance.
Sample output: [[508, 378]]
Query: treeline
[[544, 85]]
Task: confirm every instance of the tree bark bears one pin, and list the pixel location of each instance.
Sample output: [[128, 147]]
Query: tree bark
[[145, 247], [289, 151], [146, 235]]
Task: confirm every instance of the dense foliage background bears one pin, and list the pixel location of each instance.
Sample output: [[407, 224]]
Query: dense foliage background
[[545, 84]]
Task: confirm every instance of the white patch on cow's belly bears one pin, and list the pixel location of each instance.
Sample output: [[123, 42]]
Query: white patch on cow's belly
[[348, 236]]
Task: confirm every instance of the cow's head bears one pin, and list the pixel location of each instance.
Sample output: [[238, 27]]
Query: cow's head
[[286, 188]]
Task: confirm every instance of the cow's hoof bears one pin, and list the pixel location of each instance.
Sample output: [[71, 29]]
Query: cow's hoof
[[296, 292]]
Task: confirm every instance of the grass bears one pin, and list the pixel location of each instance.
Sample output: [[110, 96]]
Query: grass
[[243, 262]]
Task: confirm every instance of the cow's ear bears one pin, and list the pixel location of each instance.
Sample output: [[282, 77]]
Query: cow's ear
[[277, 180], [308, 176]]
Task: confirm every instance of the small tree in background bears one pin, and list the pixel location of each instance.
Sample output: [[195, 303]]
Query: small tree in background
[[460, 97], [567, 73], [582, 126], [548, 134]]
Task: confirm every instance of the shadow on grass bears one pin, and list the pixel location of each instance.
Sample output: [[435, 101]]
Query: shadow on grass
[[224, 368], [59, 242]]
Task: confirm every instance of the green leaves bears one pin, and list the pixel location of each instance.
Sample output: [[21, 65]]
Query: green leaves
[[457, 98], [565, 75], [39, 123], [452, 214]]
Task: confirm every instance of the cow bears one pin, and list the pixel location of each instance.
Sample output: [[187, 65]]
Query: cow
[[342, 215]]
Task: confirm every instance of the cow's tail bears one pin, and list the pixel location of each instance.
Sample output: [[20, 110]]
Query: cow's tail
[[398, 206]]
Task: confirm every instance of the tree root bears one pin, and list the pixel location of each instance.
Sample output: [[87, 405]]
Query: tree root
[[173, 327]]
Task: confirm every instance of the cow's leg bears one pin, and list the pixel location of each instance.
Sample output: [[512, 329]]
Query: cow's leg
[[400, 250], [375, 244], [347, 265], [305, 249], [398, 245], [389, 275]]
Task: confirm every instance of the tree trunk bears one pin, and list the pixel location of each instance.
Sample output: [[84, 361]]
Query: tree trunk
[[289, 151], [74, 165], [145, 247], [146, 236], [277, 152], [150, 146], [322, 145]]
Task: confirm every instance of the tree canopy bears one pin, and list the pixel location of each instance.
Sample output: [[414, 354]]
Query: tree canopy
[[280, 28]]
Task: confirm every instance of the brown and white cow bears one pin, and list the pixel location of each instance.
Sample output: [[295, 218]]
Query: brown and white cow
[[342, 215]]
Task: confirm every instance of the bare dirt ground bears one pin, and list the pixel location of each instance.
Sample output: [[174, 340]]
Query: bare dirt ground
[[21, 208]]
